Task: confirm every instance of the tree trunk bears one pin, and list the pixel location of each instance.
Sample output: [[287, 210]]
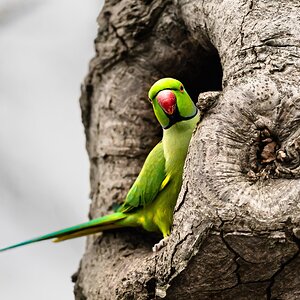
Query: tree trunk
[[236, 223]]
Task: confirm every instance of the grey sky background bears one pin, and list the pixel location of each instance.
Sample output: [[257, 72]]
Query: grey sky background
[[45, 47]]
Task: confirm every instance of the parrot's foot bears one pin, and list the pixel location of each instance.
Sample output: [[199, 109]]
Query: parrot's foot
[[162, 243]]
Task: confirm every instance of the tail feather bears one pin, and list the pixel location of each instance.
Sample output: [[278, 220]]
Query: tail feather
[[93, 226]]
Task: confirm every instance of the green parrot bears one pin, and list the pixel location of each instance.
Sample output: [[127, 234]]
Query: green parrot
[[151, 200]]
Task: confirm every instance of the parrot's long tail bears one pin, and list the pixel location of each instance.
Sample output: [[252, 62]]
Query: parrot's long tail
[[93, 226]]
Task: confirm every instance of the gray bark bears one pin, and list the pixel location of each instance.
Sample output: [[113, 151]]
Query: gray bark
[[236, 224]]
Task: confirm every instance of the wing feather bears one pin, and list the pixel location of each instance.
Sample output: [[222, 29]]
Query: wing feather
[[151, 180]]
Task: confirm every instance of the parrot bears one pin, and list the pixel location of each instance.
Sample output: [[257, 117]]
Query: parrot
[[151, 200]]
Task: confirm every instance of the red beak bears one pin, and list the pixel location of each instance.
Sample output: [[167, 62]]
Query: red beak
[[167, 101]]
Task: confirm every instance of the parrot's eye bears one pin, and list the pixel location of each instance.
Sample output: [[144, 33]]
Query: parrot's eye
[[181, 88]]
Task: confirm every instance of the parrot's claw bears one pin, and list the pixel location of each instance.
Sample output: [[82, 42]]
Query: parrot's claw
[[162, 243]]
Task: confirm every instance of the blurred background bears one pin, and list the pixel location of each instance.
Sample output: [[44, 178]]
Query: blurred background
[[45, 47]]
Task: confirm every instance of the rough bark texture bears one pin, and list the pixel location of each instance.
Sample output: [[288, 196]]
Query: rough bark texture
[[236, 224]]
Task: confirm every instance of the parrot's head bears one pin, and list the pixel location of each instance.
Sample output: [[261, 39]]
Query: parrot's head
[[171, 103]]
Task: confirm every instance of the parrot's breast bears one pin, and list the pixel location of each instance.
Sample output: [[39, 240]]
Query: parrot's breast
[[176, 140]]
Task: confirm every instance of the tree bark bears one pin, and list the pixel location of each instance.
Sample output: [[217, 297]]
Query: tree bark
[[236, 224]]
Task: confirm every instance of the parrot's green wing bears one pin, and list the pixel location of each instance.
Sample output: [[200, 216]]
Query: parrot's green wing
[[150, 181]]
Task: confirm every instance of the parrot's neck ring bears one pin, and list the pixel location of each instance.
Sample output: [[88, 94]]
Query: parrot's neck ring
[[178, 118]]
